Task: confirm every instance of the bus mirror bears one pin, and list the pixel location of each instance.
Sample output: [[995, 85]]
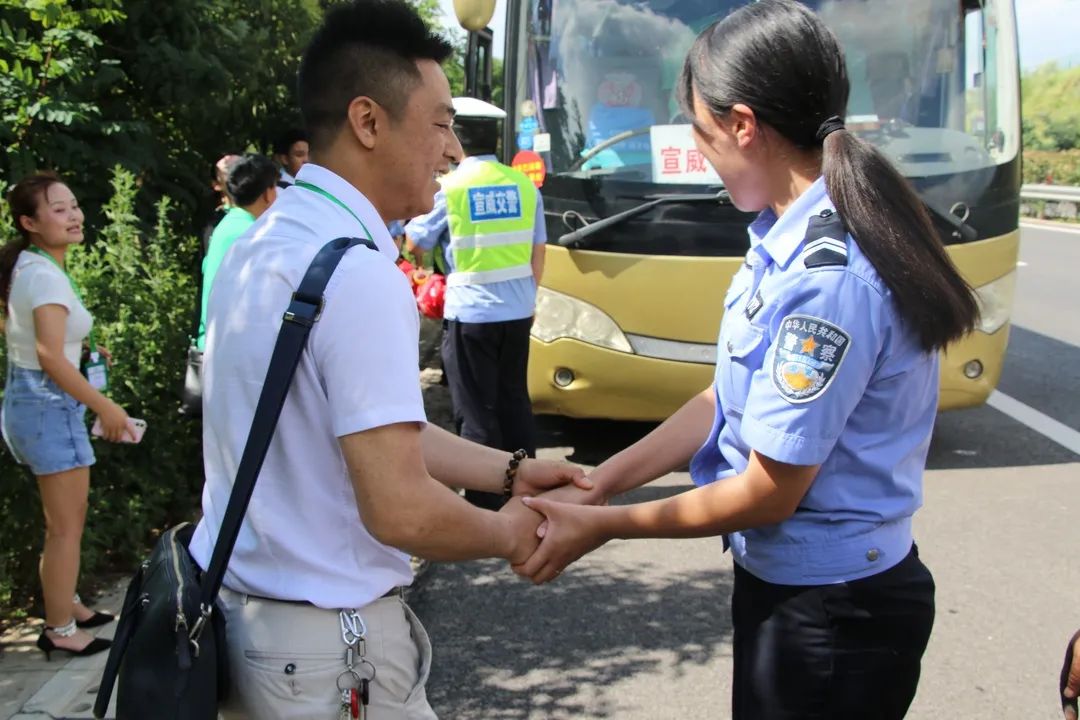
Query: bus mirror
[[474, 15]]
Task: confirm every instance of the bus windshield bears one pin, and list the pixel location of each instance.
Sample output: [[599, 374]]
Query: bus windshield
[[933, 83]]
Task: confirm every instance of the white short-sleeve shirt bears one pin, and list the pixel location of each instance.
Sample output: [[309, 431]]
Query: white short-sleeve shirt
[[302, 538], [37, 281]]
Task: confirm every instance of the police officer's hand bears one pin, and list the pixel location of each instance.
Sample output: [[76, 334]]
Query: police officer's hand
[[1070, 677], [536, 476], [575, 496], [521, 523], [571, 532]]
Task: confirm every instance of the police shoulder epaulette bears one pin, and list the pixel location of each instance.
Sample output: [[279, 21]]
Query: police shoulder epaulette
[[826, 241]]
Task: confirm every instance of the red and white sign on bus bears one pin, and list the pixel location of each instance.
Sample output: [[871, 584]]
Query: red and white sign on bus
[[675, 158]]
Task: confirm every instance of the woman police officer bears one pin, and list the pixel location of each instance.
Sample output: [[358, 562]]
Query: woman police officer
[[809, 449]]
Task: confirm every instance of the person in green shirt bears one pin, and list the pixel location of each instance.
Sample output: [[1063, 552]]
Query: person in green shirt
[[252, 184]]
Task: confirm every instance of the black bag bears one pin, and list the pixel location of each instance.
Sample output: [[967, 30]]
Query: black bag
[[191, 396], [1066, 702], [169, 652]]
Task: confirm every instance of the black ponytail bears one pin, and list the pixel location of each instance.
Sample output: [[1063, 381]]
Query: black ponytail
[[891, 226], [780, 60]]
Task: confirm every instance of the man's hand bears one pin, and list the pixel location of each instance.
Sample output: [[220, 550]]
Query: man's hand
[[521, 523], [1070, 677], [571, 531], [536, 476]]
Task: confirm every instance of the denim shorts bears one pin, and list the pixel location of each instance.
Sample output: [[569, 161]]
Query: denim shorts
[[43, 426]]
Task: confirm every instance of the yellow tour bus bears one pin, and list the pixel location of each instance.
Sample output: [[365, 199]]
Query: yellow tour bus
[[643, 241]]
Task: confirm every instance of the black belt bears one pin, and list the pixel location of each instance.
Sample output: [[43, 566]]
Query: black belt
[[398, 592]]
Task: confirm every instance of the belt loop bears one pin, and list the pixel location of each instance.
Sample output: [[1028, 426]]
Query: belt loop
[[244, 597]]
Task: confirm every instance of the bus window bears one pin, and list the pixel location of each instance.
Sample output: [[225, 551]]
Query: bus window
[[926, 80], [924, 84]]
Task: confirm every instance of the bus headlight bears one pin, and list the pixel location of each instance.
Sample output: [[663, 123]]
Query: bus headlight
[[562, 316], [995, 303]]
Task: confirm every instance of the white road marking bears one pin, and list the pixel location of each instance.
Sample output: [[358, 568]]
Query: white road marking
[[1051, 227], [1039, 422]]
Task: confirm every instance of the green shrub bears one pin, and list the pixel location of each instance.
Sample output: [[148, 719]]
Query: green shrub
[[138, 284], [1058, 168]]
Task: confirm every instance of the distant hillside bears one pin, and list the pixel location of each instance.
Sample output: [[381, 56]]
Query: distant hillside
[[1051, 97]]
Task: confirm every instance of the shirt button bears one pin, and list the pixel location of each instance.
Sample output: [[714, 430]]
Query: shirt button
[[873, 554], [730, 346]]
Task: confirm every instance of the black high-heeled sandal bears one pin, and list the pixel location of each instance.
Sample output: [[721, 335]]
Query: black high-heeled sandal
[[47, 646], [96, 620]]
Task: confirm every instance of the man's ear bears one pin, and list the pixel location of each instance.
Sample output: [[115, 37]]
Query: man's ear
[[363, 121]]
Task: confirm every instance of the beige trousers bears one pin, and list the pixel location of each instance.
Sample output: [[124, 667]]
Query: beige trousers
[[285, 659]]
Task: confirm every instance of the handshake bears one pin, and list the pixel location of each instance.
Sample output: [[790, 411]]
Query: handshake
[[553, 519]]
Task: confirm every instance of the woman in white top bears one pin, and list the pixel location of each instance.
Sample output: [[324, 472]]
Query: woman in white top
[[46, 395]]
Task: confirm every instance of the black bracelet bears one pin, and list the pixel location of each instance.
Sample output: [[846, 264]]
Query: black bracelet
[[511, 472]]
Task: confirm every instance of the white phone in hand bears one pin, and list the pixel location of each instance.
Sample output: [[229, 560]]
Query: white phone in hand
[[134, 435]]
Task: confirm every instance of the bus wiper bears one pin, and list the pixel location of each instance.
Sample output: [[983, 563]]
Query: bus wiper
[[576, 238], [961, 230]]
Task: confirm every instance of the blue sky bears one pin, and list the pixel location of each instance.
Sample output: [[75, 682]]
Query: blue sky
[[1048, 30]]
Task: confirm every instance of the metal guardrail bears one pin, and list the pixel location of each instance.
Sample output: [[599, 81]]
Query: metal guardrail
[[1051, 193]]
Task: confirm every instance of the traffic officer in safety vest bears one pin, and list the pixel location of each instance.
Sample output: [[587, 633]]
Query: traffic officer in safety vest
[[488, 221]]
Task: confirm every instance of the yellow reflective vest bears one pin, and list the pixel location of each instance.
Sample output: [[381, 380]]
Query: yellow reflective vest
[[492, 218]]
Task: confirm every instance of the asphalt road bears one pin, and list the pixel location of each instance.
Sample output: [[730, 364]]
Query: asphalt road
[[641, 630]]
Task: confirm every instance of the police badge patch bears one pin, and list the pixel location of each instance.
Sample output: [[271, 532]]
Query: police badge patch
[[808, 353]]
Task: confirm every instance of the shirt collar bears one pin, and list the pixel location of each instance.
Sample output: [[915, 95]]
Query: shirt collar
[[477, 158], [340, 188], [287, 177], [31, 258], [780, 238]]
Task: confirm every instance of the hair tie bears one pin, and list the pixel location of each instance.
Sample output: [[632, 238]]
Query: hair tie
[[828, 127]]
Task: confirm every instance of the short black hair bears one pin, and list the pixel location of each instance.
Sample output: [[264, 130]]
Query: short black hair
[[364, 48], [287, 139], [249, 177], [478, 136]]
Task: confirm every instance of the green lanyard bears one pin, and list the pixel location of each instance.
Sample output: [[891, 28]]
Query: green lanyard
[[75, 288], [319, 191]]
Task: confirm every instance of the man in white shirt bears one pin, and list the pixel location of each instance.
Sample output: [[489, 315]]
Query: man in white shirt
[[354, 480]]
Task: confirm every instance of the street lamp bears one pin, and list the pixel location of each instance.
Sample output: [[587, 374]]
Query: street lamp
[[474, 15]]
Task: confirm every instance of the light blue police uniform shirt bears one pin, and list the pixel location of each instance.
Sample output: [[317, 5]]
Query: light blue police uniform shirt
[[492, 302], [815, 366]]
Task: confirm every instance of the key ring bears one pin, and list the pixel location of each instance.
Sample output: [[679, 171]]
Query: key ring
[[357, 680], [374, 672]]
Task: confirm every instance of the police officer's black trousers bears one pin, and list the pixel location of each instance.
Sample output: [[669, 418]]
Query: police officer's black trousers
[[486, 366], [831, 652]]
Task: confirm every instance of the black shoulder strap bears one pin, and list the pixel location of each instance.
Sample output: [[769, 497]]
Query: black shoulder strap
[[825, 243], [303, 312]]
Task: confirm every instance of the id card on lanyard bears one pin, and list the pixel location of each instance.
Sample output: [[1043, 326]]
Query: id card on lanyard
[[95, 367]]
